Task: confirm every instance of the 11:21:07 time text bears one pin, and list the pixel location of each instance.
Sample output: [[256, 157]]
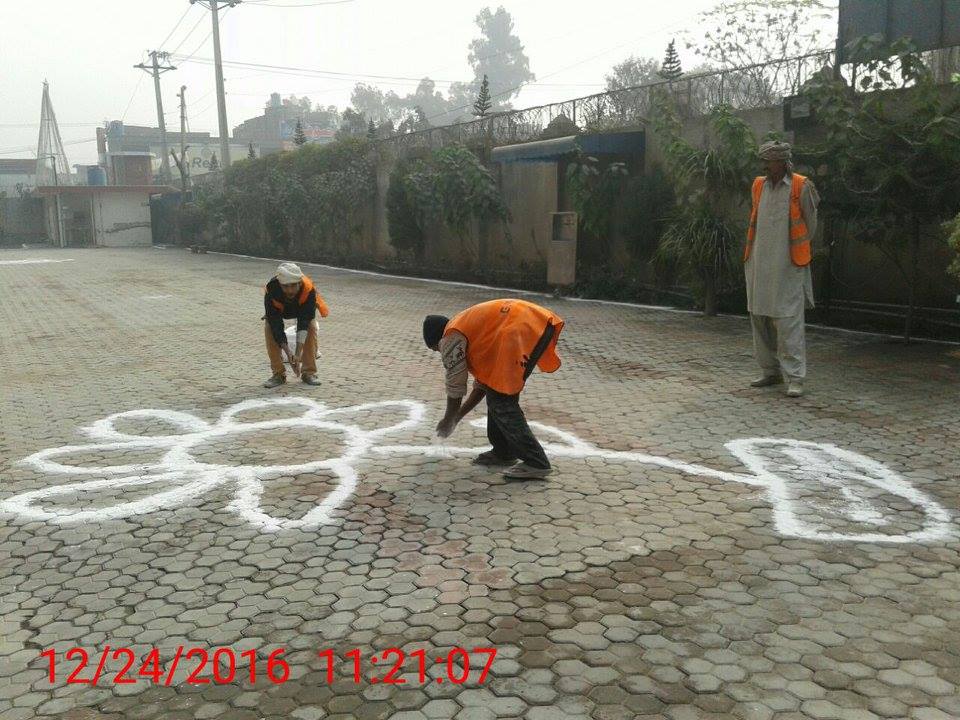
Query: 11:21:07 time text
[[454, 666]]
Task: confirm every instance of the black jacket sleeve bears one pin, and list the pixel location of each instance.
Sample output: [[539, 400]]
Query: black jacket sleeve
[[307, 312], [275, 319]]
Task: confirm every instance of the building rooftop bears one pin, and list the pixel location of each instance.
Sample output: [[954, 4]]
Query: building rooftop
[[20, 166]]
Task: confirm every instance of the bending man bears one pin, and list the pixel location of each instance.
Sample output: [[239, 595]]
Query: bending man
[[499, 342], [291, 294]]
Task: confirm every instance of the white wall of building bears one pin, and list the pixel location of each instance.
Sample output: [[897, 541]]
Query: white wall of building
[[122, 219]]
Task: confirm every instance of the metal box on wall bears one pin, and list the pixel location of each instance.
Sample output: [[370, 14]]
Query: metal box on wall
[[562, 256]]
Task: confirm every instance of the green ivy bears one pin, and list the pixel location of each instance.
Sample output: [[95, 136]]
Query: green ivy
[[450, 188], [594, 192]]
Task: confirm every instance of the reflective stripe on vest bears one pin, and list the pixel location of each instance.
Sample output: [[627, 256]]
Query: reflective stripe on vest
[[501, 335], [800, 253]]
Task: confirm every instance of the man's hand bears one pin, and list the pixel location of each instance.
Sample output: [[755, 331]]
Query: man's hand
[[446, 426], [294, 360]]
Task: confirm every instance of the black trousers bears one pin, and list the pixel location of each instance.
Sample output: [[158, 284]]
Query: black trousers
[[507, 428]]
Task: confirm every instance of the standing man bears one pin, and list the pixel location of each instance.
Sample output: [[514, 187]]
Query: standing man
[[777, 257], [291, 294], [499, 342]]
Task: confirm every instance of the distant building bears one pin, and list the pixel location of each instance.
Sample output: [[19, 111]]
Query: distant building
[[274, 130], [100, 216], [17, 176], [125, 141]]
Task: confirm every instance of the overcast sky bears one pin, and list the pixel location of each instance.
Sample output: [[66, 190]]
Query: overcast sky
[[86, 49]]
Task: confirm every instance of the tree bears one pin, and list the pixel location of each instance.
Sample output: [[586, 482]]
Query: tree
[[671, 69], [371, 130], [352, 124], [891, 154], [746, 33], [251, 155], [482, 105], [632, 72], [214, 163], [498, 54], [952, 229], [299, 137], [699, 240]]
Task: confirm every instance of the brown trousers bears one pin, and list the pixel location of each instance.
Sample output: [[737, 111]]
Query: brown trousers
[[308, 354]]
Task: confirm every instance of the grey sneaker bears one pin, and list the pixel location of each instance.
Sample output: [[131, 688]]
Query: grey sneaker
[[522, 471], [795, 388], [310, 380], [275, 381], [767, 381], [491, 459]]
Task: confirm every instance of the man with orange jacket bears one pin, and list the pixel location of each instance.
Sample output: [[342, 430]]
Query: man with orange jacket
[[291, 294], [499, 342], [783, 221]]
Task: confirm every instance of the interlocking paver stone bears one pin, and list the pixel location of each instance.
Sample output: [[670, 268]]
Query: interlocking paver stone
[[671, 583]]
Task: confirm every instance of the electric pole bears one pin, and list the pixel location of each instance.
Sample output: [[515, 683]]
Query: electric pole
[[155, 69], [214, 6], [184, 168]]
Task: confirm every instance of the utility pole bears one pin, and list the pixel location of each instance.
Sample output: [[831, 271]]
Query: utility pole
[[214, 6], [155, 69], [183, 148]]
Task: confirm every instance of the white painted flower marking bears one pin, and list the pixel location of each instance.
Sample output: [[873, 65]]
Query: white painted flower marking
[[790, 471]]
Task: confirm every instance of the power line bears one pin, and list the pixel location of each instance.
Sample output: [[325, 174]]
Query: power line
[[31, 148], [187, 36], [132, 96], [263, 3], [333, 74], [170, 34]]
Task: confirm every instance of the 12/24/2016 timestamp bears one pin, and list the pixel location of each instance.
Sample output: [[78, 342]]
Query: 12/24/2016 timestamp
[[394, 667]]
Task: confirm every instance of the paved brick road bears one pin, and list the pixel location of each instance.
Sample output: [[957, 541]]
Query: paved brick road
[[658, 573]]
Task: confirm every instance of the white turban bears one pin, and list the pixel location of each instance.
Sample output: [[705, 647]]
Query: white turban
[[775, 150], [289, 273]]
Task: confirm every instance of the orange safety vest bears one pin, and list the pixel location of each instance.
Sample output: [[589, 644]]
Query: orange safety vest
[[501, 334], [306, 285], [799, 236]]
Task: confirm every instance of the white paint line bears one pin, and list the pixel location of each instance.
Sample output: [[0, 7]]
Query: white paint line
[[785, 468], [597, 301], [36, 261]]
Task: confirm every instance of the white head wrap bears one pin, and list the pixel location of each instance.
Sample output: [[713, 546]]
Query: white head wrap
[[775, 150], [289, 273]]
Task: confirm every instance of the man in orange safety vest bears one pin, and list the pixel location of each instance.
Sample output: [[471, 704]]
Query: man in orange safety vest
[[783, 221]]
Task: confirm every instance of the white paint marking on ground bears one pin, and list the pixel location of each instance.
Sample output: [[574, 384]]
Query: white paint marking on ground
[[35, 261], [785, 468], [155, 297]]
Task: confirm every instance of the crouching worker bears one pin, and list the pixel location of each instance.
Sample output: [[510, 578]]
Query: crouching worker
[[499, 342], [291, 294]]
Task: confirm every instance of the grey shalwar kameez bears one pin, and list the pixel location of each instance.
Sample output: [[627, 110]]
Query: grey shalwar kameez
[[777, 290]]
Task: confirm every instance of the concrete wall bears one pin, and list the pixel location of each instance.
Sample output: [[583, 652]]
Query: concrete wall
[[122, 220], [531, 193], [9, 182], [21, 221]]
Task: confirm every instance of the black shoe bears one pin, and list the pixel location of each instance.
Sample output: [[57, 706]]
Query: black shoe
[[310, 380], [491, 459], [275, 381]]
